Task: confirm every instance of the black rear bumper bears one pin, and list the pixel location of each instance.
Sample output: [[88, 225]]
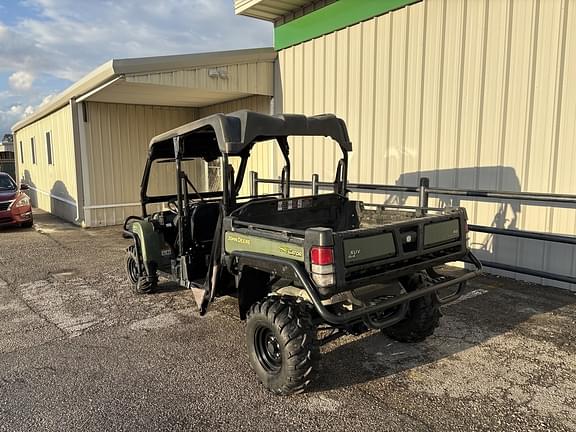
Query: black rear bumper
[[366, 313]]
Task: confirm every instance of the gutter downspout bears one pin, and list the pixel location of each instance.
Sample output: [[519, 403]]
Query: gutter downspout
[[80, 152], [277, 102], [78, 162]]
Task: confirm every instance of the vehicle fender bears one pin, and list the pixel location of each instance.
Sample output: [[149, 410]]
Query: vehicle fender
[[151, 244], [252, 286]]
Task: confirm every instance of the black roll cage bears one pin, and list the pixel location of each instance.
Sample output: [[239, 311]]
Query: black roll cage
[[220, 136]]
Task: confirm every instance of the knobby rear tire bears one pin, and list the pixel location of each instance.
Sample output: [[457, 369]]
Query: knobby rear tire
[[285, 327], [422, 317]]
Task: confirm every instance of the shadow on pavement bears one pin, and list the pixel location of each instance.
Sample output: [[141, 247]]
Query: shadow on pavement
[[45, 221], [165, 286], [490, 307], [14, 229]]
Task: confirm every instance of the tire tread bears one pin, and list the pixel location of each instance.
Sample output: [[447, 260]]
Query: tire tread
[[294, 324], [423, 315]]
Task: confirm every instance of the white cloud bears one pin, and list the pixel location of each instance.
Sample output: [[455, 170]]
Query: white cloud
[[21, 80], [21, 111], [47, 99], [12, 115], [18, 111], [68, 41], [62, 40]]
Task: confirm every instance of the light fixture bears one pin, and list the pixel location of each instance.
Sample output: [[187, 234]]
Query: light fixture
[[221, 73]]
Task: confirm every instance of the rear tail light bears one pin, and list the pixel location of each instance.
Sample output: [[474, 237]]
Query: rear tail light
[[322, 260], [321, 255]]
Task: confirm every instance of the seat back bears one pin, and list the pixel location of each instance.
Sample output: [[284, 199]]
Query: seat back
[[203, 221]]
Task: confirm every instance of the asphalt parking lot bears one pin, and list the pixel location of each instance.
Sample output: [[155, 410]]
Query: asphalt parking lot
[[78, 351]]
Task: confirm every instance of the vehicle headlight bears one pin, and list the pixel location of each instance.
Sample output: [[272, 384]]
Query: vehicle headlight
[[22, 202]]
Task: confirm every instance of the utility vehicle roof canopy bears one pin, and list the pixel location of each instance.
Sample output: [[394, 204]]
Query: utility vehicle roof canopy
[[236, 133]]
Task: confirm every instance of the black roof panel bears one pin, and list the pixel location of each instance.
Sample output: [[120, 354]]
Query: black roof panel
[[237, 132]]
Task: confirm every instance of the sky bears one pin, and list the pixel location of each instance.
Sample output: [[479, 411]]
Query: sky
[[46, 45]]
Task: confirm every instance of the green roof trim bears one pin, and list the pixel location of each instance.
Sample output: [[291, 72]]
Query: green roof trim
[[335, 16]]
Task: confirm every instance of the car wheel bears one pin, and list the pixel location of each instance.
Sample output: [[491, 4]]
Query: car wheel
[[282, 348], [27, 224]]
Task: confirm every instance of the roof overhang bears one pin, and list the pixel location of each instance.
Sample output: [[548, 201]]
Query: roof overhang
[[126, 92], [269, 10], [191, 80]]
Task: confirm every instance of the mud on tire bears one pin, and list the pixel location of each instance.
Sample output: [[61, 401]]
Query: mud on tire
[[282, 348], [422, 317]]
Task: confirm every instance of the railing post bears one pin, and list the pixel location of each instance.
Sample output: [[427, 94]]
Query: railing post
[[423, 194], [253, 183], [315, 180]]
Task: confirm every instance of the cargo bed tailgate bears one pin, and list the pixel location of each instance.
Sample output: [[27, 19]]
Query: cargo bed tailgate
[[399, 248]]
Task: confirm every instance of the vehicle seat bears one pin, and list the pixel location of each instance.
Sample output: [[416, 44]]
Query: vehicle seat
[[203, 221]]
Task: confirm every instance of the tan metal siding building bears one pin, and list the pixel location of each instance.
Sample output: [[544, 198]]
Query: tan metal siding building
[[116, 142], [474, 94], [101, 127], [53, 186]]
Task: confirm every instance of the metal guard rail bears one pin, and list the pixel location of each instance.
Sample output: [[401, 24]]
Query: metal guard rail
[[424, 191]]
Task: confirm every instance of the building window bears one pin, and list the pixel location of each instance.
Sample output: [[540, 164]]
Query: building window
[[33, 149], [21, 153], [49, 154]]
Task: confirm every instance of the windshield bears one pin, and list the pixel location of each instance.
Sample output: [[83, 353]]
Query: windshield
[[6, 183]]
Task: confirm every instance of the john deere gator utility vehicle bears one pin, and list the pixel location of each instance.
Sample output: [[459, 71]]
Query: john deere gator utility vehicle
[[305, 270]]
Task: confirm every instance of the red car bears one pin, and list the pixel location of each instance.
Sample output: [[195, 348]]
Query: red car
[[15, 207]]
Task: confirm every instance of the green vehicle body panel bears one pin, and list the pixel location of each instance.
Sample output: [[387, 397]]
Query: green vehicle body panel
[[234, 241], [362, 249], [441, 232], [152, 245]]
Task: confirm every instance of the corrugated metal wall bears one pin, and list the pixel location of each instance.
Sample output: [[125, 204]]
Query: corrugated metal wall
[[471, 93], [250, 78], [253, 103], [54, 187], [117, 139]]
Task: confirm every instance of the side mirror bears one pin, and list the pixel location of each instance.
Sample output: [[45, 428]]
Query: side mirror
[[24, 186]]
